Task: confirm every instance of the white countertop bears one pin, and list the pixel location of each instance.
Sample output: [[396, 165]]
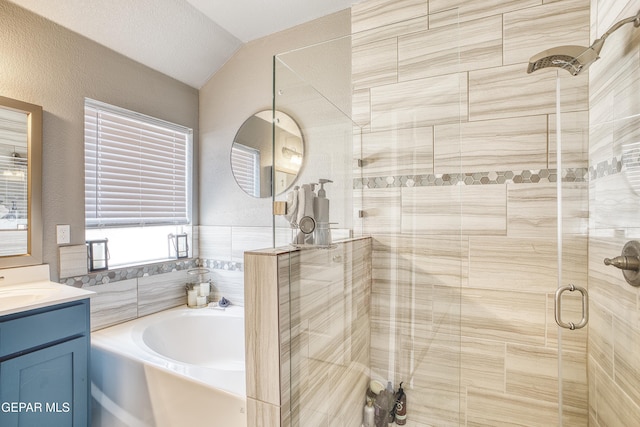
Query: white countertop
[[22, 290]]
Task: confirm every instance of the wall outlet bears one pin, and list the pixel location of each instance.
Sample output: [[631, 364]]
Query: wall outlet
[[63, 234]]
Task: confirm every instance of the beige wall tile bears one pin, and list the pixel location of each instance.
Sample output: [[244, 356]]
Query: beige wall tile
[[575, 140], [492, 145], [451, 49], [419, 103], [454, 209], [613, 406], [613, 203], [532, 30], [504, 316], [626, 344], [398, 152], [215, 242], [486, 408], [261, 328], [262, 414], [113, 303], [483, 364], [376, 13], [73, 260], [383, 210], [532, 209], [509, 91], [447, 12], [162, 291], [374, 64]]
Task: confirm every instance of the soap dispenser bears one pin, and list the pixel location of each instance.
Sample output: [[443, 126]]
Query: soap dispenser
[[321, 211]]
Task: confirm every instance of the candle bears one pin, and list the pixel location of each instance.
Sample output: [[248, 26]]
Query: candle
[[205, 289], [201, 301], [192, 295]]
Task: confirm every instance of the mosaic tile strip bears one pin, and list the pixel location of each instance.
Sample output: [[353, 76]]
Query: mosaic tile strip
[[102, 277], [609, 167], [475, 178], [215, 264]]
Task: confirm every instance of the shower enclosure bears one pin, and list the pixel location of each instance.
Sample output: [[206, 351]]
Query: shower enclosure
[[475, 198]]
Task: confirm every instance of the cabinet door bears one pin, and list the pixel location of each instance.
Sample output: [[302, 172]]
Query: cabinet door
[[47, 387]]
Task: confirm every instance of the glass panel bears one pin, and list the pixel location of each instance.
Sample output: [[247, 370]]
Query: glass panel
[[386, 309], [569, 156]]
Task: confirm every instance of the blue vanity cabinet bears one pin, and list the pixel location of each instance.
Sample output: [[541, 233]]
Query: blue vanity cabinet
[[44, 367]]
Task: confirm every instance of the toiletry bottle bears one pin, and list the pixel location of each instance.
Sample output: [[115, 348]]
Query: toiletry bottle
[[401, 407], [321, 210], [369, 414], [390, 402]]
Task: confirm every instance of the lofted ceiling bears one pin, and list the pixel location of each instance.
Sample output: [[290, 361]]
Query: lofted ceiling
[[188, 40]]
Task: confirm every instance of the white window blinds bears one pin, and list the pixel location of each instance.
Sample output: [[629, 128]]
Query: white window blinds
[[245, 162], [136, 169]]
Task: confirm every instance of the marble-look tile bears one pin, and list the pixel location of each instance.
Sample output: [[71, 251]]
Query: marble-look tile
[[477, 209], [613, 203], [626, 343], [482, 364], [391, 30], [228, 284], [73, 260], [574, 140], [249, 238], [532, 30], [419, 103], [532, 209], [398, 152], [614, 407], [374, 64], [215, 242], [509, 91], [261, 328], [377, 13], [383, 210], [508, 316], [448, 12], [532, 372], [504, 144], [601, 337], [528, 263], [455, 48], [486, 408], [262, 414], [361, 108], [162, 291], [114, 303]]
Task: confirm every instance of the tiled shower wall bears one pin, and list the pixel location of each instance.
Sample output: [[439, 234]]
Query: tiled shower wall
[[614, 374], [458, 191]]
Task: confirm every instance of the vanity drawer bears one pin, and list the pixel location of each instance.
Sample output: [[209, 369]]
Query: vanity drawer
[[37, 328]]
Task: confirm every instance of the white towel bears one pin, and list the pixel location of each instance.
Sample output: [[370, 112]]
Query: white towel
[[292, 207]]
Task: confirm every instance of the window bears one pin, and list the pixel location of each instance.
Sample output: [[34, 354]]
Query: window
[[137, 182], [245, 162]]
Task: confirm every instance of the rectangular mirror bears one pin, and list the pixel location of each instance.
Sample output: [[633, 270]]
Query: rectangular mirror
[[20, 183]]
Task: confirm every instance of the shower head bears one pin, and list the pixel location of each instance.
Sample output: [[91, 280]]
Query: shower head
[[576, 59]]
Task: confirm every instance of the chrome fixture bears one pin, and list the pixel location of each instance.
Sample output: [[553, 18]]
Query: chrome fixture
[[576, 59], [585, 307], [628, 262]]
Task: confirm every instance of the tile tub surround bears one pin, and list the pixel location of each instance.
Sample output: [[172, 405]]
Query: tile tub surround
[[308, 354], [458, 191]]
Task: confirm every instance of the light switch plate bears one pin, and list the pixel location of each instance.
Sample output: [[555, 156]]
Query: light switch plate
[[63, 233]]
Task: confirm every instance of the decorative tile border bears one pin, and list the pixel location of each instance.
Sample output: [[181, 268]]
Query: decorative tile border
[[102, 277], [474, 178], [607, 167]]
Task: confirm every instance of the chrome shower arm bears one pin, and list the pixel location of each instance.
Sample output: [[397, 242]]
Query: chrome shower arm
[[598, 43]]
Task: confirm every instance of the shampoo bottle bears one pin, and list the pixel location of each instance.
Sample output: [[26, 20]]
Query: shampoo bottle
[[321, 210], [369, 414], [401, 407]]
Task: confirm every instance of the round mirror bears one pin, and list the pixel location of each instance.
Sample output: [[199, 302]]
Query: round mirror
[[252, 157]]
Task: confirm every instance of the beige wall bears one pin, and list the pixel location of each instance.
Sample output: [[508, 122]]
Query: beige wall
[[45, 64], [614, 81]]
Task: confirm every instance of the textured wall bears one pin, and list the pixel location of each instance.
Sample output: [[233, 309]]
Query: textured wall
[[45, 64], [614, 375], [458, 191]]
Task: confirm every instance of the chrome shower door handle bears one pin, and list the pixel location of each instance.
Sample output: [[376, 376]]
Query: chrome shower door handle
[[585, 307]]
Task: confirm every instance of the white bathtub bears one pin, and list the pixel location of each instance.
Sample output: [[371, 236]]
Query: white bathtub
[[179, 367]]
